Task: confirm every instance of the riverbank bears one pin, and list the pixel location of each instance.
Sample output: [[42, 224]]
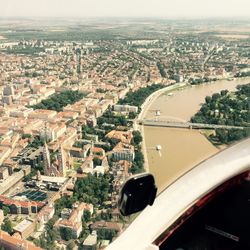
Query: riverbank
[[181, 148], [150, 99], [234, 112], [144, 109]]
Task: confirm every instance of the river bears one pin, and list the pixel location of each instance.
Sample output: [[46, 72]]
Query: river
[[182, 149]]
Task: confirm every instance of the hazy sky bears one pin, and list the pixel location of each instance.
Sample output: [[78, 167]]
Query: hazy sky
[[133, 8]]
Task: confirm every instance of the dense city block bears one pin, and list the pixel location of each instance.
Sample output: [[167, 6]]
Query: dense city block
[[70, 100]]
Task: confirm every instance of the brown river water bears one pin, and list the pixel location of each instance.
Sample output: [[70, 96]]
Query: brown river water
[[182, 149]]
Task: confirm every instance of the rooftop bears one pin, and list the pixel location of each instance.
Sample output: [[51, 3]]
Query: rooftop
[[22, 226]]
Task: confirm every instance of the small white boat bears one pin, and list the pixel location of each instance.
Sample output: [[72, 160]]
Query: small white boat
[[158, 113]]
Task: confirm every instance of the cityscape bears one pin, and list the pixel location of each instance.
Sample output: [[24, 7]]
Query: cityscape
[[75, 109]]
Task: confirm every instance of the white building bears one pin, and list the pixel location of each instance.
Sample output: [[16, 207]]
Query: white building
[[125, 108]]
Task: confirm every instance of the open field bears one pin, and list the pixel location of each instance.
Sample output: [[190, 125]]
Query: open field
[[57, 30], [2, 38], [234, 29], [233, 36]]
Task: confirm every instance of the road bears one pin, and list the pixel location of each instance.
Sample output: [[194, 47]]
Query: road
[[173, 124]]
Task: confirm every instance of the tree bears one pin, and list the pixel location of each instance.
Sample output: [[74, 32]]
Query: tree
[[106, 234], [139, 158], [161, 69], [131, 115], [67, 233], [64, 202], [41, 242], [137, 97], [215, 96], [71, 245], [7, 226], [224, 92], [87, 216], [137, 137], [233, 110], [6, 210], [222, 135], [235, 135], [122, 121], [58, 101], [97, 161], [26, 136], [93, 189]]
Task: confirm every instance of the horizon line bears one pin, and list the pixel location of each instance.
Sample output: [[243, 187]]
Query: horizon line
[[124, 17]]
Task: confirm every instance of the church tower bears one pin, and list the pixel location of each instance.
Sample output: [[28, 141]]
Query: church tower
[[46, 160]]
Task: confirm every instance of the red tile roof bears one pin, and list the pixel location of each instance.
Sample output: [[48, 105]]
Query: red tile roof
[[14, 242], [8, 201]]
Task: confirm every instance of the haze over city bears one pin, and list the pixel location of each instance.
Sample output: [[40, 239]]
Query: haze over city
[[93, 92], [128, 8]]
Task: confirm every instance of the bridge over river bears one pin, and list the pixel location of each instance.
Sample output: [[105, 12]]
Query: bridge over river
[[177, 124]]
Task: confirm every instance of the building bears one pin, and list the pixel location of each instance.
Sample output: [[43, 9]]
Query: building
[[46, 160], [4, 153], [8, 94], [72, 219], [14, 178], [61, 162], [91, 121], [20, 112], [93, 138], [65, 214], [15, 242], [1, 216], [123, 151], [8, 90], [99, 170], [106, 225], [52, 131], [4, 173], [105, 163], [178, 78], [120, 172], [97, 152], [43, 114], [90, 242], [7, 100], [123, 136], [125, 108], [25, 228], [104, 244], [21, 207], [32, 157], [77, 152], [68, 115], [45, 214], [58, 166], [87, 166]]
